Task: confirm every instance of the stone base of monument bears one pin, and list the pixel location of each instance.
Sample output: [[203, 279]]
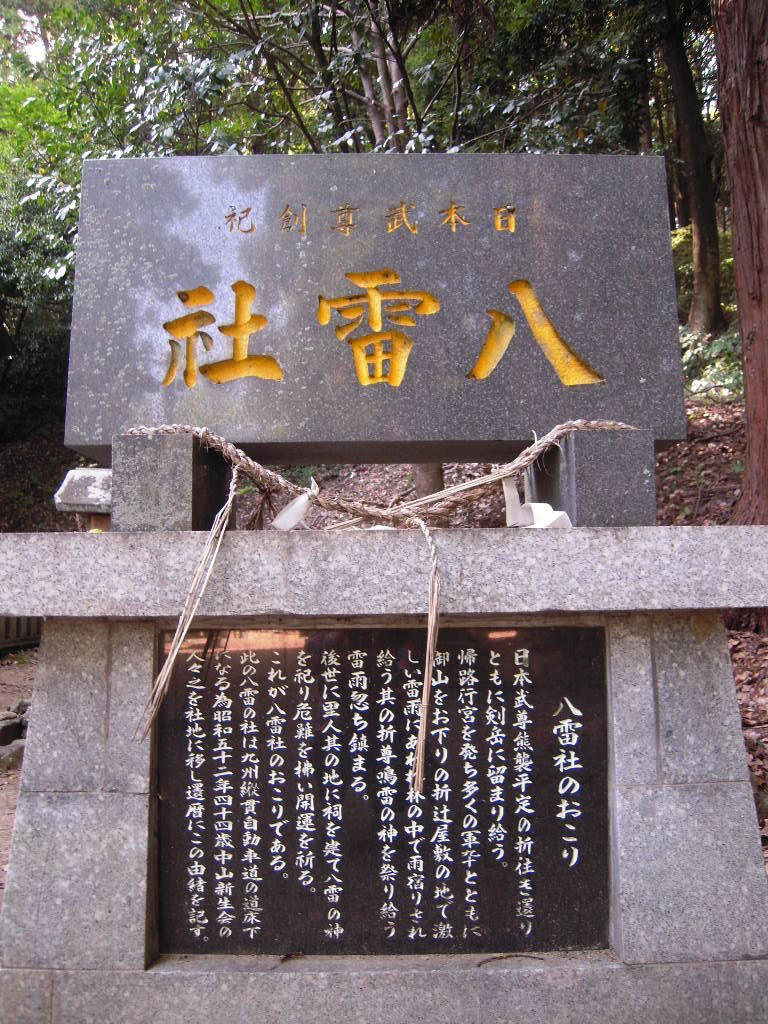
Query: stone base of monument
[[686, 927]]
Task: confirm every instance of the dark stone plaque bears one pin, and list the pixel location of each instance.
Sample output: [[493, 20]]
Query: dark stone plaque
[[286, 822], [351, 307]]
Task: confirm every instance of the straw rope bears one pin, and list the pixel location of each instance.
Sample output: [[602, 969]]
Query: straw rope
[[433, 621], [416, 513], [434, 506], [194, 596]]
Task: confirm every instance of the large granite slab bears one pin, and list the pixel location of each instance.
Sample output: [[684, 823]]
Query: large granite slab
[[443, 991], [386, 573], [687, 877], [77, 884], [588, 263]]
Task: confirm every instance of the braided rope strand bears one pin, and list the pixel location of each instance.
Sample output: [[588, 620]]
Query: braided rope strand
[[436, 506], [413, 513], [433, 619]]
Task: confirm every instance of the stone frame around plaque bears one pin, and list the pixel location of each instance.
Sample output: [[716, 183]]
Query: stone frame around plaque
[[684, 936], [655, 781]]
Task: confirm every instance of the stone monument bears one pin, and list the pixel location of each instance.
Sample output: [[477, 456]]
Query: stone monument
[[585, 846]]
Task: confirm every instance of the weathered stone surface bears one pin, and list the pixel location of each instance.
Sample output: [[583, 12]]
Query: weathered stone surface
[[132, 664], [86, 490], [691, 881], [633, 734], [402, 991], [599, 479], [740, 992], [387, 572], [612, 477], [591, 238], [77, 882], [699, 724], [25, 997], [66, 747], [169, 482]]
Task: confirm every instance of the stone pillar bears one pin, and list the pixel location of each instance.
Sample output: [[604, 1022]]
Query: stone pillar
[[166, 482], [80, 891], [599, 478]]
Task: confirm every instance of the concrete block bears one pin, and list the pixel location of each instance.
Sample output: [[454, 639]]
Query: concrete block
[[131, 671], [168, 482], [65, 745], [558, 991], [740, 992], [599, 479], [699, 724], [87, 490], [307, 572], [691, 882], [633, 732], [76, 893], [25, 997]]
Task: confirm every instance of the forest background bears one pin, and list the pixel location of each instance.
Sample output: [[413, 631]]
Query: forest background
[[93, 78], [102, 78]]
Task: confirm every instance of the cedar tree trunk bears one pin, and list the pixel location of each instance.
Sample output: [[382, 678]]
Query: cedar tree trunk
[[741, 39], [706, 313]]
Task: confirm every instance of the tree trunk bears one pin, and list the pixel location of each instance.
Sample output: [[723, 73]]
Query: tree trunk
[[662, 132], [682, 198], [706, 313], [427, 478], [741, 40]]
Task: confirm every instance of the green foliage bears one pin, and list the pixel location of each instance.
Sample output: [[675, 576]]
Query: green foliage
[[203, 76], [34, 307], [712, 366], [682, 255], [559, 77]]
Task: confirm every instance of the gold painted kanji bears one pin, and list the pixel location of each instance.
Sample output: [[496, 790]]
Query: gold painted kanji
[[451, 217], [188, 328], [293, 220], [504, 218], [570, 368], [237, 221], [381, 354], [397, 217], [345, 219]]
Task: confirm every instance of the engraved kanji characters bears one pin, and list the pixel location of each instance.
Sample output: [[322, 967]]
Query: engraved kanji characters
[[382, 354], [293, 220], [345, 219], [188, 328], [240, 222], [241, 364], [570, 368], [397, 217], [504, 218], [452, 217]]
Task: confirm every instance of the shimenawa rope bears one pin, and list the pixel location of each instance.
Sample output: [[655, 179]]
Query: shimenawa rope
[[413, 513]]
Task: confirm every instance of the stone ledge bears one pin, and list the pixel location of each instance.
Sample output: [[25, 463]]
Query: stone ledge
[[314, 574], [562, 992]]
